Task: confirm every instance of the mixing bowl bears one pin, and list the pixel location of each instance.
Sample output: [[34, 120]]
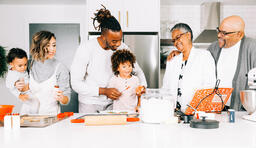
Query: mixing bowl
[[248, 99], [5, 109], [157, 106]]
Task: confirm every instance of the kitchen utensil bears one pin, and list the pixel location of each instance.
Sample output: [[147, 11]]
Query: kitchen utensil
[[37, 120], [129, 117], [248, 97], [77, 121], [105, 120], [187, 118], [204, 124], [42, 120], [125, 89]]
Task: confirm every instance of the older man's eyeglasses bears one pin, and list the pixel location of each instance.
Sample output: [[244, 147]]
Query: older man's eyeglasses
[[224, 32], [178, 37]]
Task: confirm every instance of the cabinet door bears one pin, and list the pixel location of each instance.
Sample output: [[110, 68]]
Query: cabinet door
[[115, 7], [141, 15]]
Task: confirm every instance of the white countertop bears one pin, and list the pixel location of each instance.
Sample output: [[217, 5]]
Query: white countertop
[[241, 134]]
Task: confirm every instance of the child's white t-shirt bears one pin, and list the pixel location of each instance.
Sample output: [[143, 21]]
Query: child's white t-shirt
[[128, 100]]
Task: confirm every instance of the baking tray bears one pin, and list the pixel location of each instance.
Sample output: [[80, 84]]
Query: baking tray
[[37, 120]]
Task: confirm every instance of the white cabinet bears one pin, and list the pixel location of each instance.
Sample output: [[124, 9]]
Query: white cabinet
[[133, 15]]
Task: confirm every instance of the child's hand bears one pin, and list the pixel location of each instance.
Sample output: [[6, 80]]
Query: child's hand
[[140, 90], [25, 88], [20, 84], [137, 109], [23, 97]]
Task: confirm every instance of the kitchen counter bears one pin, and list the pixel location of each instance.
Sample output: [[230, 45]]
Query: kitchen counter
[[241, 134]]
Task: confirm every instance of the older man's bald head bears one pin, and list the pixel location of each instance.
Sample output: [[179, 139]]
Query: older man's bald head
[[233, 23], [231, 31]]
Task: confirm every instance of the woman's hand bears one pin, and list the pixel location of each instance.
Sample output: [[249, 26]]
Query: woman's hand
[[111, 93], [23, 97], [140, 90], [61, 98]]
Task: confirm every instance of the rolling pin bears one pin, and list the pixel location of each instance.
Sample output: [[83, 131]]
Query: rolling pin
[[105, 120]]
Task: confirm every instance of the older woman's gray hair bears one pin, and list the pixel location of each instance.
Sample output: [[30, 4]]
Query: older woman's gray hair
[[183, 28]]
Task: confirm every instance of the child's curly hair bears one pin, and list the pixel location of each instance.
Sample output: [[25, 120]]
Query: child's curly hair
[[121, 56], [16, 53]]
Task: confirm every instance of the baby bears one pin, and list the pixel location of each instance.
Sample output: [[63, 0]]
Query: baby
[[17, 60], [124, 80]]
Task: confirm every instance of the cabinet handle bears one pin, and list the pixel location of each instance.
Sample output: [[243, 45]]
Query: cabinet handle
[[119, 16], [127, 19]]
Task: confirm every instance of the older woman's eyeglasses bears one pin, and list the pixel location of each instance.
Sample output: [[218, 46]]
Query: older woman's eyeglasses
[[224, 32], [178, 37]]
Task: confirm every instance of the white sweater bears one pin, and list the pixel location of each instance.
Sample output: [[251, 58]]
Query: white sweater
[[91, 69], [199, 73]]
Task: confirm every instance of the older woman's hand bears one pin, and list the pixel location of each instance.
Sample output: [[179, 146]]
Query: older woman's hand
[[173, 54]]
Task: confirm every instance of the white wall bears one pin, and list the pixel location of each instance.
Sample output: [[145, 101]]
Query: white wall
[[14, 29], [247, 12], [189, 14]]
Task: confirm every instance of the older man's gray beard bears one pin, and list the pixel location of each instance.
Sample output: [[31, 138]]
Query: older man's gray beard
[[222, 42]]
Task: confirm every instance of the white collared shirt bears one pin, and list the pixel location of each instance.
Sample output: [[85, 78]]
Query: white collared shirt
[[199, 73], [226, 66]]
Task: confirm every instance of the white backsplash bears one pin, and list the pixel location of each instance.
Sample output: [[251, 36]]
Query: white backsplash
[[190, 14], [247, 12]]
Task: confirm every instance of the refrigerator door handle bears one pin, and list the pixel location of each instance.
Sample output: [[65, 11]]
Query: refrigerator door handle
[[119, 16], [127, 19]]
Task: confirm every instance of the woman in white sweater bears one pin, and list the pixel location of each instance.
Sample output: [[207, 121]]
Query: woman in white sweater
[[191, 70]]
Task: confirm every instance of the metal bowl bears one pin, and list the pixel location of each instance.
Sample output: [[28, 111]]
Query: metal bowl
[[248, 99]]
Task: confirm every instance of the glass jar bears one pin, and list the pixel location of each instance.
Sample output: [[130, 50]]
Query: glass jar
[[157, 106]]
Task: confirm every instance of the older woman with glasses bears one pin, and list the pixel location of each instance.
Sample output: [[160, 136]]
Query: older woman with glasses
[[191, 70]]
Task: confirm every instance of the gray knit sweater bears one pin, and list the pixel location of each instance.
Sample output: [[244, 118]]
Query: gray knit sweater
[[246, 61], [42, 71]]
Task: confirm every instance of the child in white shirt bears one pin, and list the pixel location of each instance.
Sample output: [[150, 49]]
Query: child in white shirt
[[125, 81], [17, 60]]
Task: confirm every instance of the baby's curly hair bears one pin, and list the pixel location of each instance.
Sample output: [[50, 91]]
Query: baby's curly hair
[[121, 56]]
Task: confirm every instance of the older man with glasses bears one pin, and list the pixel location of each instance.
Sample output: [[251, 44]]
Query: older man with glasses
[[235, 55]]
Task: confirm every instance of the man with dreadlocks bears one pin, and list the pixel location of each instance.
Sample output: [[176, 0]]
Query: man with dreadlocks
[[91, 68]]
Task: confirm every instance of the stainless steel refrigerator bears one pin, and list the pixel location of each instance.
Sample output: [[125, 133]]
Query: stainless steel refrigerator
[[145, 45], [146, 48]]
